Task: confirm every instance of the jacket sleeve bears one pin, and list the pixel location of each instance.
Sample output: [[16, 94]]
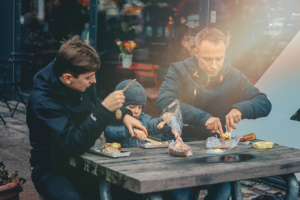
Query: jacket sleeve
[[252, 103], [170, 90], [152, 125], [116, 133], [52, 118]]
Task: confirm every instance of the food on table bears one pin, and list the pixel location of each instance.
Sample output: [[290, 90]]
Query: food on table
[[225, 146], [217, 150], [177, 149], [249, 137], [153, 142], [111, 148], [161, 124], [263, 145], [225, 136]]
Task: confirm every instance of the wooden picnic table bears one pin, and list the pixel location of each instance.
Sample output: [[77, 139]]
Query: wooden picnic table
[[150, 171]]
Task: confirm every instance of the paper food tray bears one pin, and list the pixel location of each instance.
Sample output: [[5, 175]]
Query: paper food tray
[[244, 143], [150, 146], [96, 150]]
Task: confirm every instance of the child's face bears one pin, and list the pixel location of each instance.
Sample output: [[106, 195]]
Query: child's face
[[135, 109]]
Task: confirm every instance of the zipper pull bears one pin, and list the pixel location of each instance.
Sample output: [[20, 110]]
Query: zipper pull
[[195, 92], [208, 80]]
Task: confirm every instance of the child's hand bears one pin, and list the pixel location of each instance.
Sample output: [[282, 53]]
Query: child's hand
[[131, 122], [139, 134]]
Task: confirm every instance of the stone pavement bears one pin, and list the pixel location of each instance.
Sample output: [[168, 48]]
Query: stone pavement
[[15, 153]]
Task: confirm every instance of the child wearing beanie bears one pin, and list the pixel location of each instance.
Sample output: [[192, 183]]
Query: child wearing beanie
[[135, 100]]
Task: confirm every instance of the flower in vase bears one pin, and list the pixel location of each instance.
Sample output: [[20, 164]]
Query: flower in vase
[[133, 45], [129, 49], [136, 40]]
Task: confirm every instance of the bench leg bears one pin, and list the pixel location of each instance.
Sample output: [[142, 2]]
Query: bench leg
[[236, 190], [292, 186], [105, 193], [154, 196]]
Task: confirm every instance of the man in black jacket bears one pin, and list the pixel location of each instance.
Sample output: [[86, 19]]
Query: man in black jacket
[[212, 94], [65, 118]]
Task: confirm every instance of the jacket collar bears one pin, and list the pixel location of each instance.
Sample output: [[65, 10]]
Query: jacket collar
[[205, 80]]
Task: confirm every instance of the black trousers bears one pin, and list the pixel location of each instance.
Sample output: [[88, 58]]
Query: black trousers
[[76, 186]]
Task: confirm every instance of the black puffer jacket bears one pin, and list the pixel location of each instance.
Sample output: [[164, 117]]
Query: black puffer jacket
[[202, 97], [61, 122]]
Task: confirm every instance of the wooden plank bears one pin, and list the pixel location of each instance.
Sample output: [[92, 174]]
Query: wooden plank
[[155, 170]]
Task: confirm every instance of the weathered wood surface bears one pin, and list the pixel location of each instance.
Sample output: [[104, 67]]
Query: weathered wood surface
[[153, 170]]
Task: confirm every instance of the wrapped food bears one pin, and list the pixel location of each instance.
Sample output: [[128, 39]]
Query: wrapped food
[[215, 143], [178, 149], [248, 137], [263, 145], [111, 148], [173, 117]]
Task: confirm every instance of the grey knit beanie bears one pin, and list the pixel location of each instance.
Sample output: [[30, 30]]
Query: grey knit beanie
[[134, 95]]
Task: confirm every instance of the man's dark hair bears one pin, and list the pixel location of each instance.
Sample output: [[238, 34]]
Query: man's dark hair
[[76, 57]]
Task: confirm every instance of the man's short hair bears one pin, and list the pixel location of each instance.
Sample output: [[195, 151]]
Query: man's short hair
[[211, 34], [76, 57]]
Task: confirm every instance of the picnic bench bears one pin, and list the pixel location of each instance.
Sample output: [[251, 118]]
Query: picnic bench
[[151, 171]]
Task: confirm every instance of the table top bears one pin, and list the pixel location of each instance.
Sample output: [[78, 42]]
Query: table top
[[153, 170]]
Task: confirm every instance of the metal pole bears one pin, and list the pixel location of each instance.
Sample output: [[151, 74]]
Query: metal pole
[[203, 14], [105, 193], [93, 23], [236, 190], [154, 196], [292, 186]]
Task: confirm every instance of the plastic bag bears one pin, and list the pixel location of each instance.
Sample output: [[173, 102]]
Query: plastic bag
[[178, 149], [216, 143], [173, 117]]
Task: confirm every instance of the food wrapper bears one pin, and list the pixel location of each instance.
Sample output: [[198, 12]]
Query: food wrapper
[[263, 145], [173, 117], [178, 149], [216, 143]]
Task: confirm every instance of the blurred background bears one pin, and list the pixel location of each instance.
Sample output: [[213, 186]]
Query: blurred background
[[31, 32]]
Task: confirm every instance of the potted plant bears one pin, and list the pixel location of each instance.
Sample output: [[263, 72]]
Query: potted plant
[[127, 48], [10, 184]]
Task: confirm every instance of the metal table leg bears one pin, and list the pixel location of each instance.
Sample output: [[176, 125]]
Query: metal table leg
[[154, 196], [105, 193], [292, 186], [236, 190]]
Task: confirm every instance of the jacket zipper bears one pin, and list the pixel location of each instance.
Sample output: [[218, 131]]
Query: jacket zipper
[[208, 80], [195, 92]]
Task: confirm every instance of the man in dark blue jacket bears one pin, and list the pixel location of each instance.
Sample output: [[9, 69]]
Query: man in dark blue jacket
[[65, 119], [212, 94]]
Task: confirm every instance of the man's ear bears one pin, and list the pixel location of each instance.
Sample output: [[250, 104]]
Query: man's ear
[[196, 52], [67, 78]]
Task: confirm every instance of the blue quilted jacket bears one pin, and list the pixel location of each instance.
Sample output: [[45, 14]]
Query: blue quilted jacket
[[120, 134]]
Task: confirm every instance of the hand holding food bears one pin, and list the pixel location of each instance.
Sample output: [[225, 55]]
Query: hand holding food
[[161, 124], [130, 122], [214, 125], [114, 101], [139, 134], [233, 117], [118, 111], [225, 136]]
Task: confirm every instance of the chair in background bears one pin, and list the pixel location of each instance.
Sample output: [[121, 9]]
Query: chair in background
[[5, 72], [147, 70]]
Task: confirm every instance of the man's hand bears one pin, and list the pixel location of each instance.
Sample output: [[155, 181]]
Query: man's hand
[[214, 125], [132, 122], [139, 134], [114, 101], [233, 117]]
